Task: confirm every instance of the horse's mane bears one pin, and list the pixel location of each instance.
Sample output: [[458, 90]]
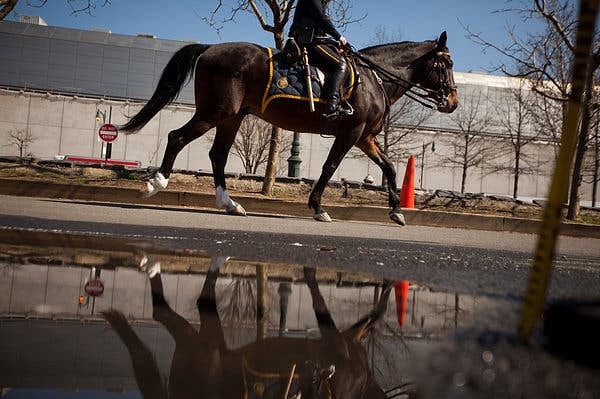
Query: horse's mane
[[402, 53]]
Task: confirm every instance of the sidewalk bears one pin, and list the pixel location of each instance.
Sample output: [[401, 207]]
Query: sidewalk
[[414, 217]]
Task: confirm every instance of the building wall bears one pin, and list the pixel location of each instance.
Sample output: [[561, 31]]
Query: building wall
[[54, 80], [66, 125]]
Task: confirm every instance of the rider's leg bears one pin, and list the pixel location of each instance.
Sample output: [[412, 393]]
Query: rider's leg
[[336, 66]]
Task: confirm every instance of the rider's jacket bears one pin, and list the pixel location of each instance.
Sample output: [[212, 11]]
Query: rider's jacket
[[311, 22]]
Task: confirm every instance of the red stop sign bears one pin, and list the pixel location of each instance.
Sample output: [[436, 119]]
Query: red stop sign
[[94, 287], [108, 132]]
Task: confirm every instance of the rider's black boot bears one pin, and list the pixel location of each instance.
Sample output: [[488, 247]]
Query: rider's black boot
[[333, 94]]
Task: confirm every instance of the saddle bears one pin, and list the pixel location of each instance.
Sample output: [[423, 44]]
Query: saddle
[[259, 384], [288, 77], [262, 383]]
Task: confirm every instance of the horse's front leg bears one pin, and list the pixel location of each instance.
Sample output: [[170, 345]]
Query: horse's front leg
[[341, 145], [177, 140], [371, 148]]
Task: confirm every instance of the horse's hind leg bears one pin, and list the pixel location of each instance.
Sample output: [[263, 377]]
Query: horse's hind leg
[[219, 152], [178, 326], [341, 145], [371, 148], [177, 140]]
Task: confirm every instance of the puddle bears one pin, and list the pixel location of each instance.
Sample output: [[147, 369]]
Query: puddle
[[82, 317]]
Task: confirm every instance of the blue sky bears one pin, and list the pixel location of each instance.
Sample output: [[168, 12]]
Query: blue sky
[[400, 19]]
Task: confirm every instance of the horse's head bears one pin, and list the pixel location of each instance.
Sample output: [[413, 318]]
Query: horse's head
[[435, 75]]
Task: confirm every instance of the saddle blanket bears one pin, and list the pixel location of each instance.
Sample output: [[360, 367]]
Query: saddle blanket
[[289, 81], [264, 385]]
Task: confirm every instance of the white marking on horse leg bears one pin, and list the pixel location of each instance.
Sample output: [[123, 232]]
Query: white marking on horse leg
[[216, 263], [225, 202], [156, 184], [149, 266], [153, 270], [322, 217]]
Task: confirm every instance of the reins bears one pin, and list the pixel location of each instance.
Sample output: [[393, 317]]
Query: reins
[[389, 77]]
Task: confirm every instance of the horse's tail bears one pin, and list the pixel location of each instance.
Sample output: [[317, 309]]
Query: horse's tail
[[178, 70]]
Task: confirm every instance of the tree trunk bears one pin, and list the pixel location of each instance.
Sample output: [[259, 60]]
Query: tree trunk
[[273, 160], [465, 165], [596, 167], [262, 302], [517, 169], [577, 177]]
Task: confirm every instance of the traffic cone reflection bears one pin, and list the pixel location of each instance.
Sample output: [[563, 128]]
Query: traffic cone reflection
[[407, 193], [401, 292]]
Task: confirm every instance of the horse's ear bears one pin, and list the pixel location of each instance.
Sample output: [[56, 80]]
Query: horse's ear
[[442, 40]]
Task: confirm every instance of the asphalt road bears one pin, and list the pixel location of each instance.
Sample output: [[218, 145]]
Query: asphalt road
[[476, 262]]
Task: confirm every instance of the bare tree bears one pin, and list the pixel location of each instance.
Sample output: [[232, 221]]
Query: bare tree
[[280, 12], [252, 143], [76, 6], [22, 139], [6, 6], [515, 120], [546, 56], [404, 120], [470, 148]]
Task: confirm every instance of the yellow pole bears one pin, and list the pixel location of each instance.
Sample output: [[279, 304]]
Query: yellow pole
[[541, 269], [311, 100]]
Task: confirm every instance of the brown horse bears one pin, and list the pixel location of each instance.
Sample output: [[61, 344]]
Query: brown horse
[[333, 366], [230, 82]]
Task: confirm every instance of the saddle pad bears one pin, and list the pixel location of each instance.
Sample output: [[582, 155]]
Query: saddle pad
[[262, 385], [289, 81]]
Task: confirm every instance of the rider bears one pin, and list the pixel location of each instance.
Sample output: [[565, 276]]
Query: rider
[[310, 28]]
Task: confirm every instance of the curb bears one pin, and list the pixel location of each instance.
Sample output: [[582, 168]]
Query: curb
[[414, 217]]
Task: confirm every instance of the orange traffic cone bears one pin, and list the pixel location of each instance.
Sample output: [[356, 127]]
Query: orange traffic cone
[[401, 292], [407, 193]]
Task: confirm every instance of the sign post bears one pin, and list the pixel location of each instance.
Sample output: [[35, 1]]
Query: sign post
[[108, 133]]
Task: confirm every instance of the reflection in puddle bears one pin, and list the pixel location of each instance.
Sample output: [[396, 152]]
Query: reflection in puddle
[[226, 328]]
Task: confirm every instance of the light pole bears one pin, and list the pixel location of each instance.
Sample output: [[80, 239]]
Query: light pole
[[425, 145], [294, 160]]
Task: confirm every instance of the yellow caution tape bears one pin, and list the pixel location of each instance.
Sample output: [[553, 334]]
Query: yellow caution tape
[[539, 277]]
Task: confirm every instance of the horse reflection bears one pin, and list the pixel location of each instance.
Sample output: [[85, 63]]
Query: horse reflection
[[333, 366]]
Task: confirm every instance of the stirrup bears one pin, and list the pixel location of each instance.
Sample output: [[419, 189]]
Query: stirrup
[[340, 111]]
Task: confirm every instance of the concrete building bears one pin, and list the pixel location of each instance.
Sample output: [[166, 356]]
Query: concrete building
[[55, 81]]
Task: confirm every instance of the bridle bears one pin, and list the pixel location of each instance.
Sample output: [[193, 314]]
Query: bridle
[[427, 97], [442, 66]]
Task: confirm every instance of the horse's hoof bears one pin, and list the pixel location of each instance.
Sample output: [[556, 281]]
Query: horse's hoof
[[236, 210], [322, 217], [397, 217], [156, 184]]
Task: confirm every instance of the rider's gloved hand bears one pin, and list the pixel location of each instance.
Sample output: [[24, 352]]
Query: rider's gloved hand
[[343, 42]]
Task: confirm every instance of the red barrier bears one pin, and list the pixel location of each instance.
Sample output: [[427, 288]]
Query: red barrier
[[401, 291]]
